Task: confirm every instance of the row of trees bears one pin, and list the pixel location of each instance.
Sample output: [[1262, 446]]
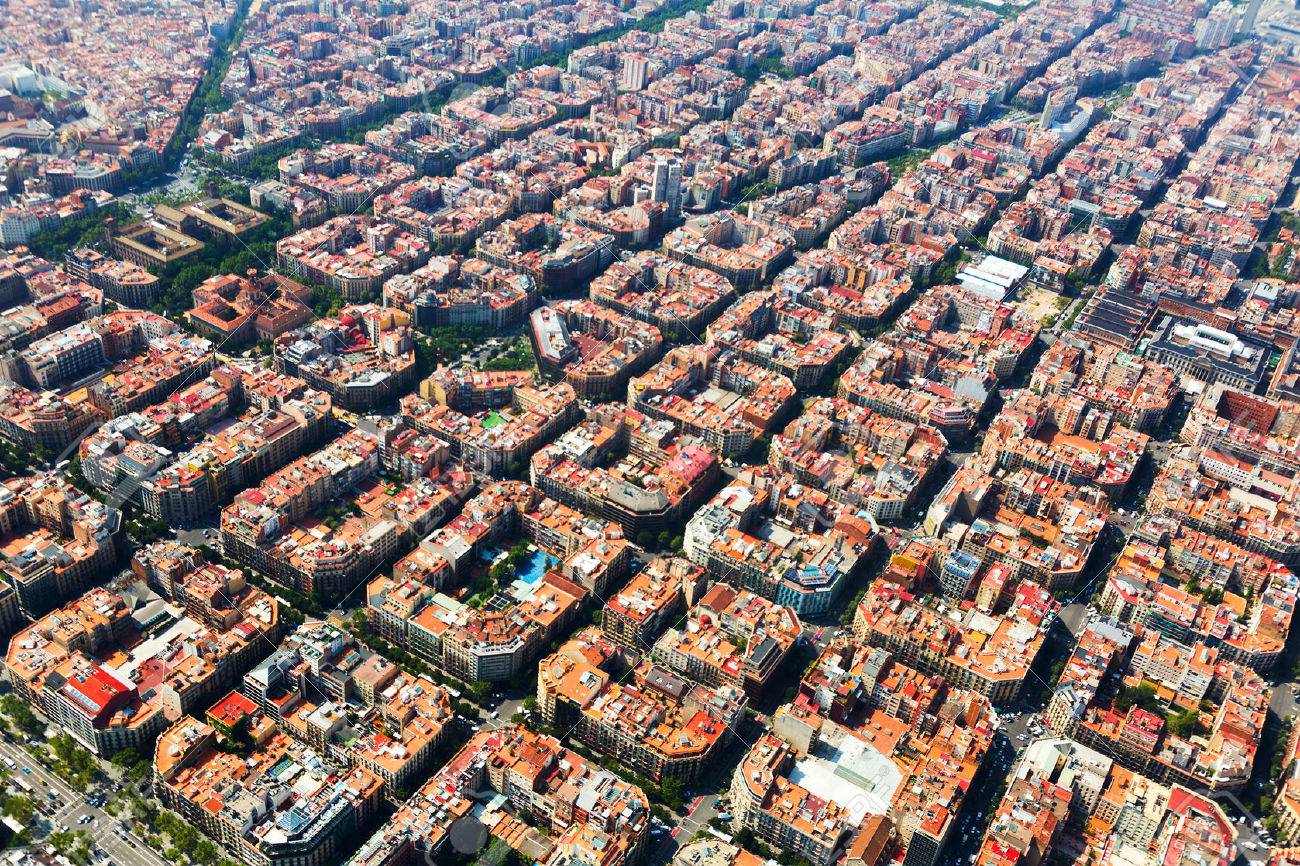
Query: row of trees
[[76, 845], [207, 97], [477, 692], [17, 460], [78, 231], [18, 716], [71, 762]]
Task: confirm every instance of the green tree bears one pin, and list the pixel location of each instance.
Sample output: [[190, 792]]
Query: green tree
[[72, 761], [125, 758], [20, 808], [79, 231], [21, 715], [1142, 696], [206, 851], [518, 357], [235, 738], [502, 573], [426, 356], [74, 846], [479, 690], [671, 790], [139, 772], [1183, 723], [518, 555]]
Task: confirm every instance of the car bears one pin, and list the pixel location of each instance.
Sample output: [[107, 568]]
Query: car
[[27, 770]]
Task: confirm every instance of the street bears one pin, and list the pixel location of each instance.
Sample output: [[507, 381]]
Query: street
[[1283, 701], [64, 811]]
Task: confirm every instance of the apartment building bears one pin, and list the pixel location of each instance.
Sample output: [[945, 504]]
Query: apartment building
[[351, 704], [730, 637], [989, 654], [112, 682], [775, 332], [362, 359], [715, 395], [353, 255], [501, 440], [319, 807], [41, 418], [654, 722], [861, 458], [677, 298], [626, 468], [595, 349], [765, 532], [55, 540], [453, 291], [543, 799], [653, 598]]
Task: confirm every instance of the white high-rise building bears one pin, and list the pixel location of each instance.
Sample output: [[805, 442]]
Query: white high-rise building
[[636, 70], [667, 183], [1217, 29], [1252, 11]]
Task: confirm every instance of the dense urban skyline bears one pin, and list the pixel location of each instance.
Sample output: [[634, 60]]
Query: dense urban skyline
[[658, 433]]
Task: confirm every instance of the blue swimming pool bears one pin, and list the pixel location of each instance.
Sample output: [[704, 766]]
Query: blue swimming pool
[[532, 568]]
